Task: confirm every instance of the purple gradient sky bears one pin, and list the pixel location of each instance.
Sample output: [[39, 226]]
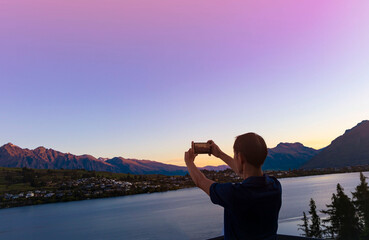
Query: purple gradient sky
[[141, 79]]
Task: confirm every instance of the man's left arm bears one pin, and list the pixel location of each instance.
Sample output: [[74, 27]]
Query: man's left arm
[[197, 176]]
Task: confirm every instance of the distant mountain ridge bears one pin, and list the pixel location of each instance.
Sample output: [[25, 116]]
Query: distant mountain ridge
[[145, 167], [282, 157], [349, 149], [215, 168], [43, 158], [287, 156], [14, 156]]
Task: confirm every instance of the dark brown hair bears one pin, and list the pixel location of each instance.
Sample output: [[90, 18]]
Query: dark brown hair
[[252, 147]]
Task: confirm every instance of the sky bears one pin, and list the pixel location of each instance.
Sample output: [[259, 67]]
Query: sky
[[142, 79]]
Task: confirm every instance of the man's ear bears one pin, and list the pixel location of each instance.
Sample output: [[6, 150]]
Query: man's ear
[[241, 158], [239, 163], [237, 156]]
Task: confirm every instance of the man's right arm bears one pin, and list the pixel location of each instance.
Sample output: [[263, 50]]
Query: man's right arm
[[215, 150], [228, 160]]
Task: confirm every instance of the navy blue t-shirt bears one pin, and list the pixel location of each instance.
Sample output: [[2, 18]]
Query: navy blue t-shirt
[[251, 208]]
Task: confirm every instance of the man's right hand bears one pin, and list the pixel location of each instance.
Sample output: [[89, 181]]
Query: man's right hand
[[215, 150]]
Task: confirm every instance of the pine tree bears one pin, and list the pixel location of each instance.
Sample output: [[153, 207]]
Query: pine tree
[[350, 227], [343, 219], [332, 223], [305, 226], [315, 229], [361, 202]]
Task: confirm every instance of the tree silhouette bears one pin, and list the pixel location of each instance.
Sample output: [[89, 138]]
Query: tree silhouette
[[315, 229], [348, 219], [305, 226], [361, 202], [331, 224], [343, 221]]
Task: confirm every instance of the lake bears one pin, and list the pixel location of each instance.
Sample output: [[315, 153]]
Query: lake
[[182, 214]]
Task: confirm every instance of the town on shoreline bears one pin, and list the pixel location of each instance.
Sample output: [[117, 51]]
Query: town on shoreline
[[24, 186]]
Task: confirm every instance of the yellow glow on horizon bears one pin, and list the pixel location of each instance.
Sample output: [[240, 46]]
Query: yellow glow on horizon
[[319, 137], [200, 161], [205, 160], [317, 144]]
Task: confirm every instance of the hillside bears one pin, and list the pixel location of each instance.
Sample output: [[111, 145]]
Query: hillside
[[145, 167], [43, 158], [349, 149], [287, 156], [283, 157]]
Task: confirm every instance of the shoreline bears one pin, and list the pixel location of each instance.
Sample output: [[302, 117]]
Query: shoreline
[[139, 184]]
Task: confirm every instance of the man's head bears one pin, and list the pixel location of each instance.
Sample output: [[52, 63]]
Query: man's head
[[249, 149]]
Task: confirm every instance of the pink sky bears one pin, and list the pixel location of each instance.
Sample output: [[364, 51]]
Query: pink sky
[[142, 79]]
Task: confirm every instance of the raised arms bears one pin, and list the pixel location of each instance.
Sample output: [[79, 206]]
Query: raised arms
[[197, 176]]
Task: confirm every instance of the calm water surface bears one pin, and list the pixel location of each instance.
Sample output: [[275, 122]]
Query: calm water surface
[[182, 214]]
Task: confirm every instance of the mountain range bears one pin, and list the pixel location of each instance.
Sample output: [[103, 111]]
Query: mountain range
[[284, 156], [350, 149], [43, 158], [287, 156]]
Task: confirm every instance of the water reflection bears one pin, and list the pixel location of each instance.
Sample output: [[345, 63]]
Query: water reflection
[[182, 214]]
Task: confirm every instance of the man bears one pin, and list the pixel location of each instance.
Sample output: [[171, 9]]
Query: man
[[251, 207]]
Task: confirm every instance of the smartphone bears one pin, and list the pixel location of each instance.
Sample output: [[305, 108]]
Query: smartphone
[[201, 147]]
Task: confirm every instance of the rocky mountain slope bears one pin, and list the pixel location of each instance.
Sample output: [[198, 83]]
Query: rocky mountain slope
[[349, 149], [287, 156], [43, 158]]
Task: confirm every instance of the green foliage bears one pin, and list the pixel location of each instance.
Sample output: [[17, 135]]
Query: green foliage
[[344, 216], [28, 175], [349, 226], [361, 202], [332, 223], [305, 226], [315, 229], [348, 219]]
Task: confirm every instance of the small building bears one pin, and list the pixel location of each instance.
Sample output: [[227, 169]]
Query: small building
[[30, 194], [8, 196]]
